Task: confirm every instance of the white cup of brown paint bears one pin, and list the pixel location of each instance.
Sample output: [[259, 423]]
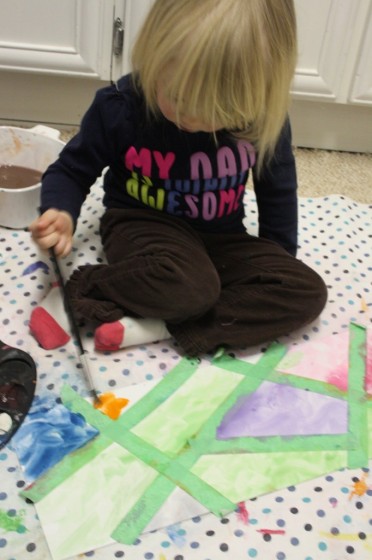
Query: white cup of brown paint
[[24, 156]]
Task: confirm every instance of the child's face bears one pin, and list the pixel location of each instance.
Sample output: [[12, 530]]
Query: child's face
[[186, 123]]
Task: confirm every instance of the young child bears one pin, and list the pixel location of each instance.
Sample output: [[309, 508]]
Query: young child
[[206, 103]]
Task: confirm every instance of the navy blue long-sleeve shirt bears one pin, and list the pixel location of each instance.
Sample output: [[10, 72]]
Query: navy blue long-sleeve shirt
[[152, 163]]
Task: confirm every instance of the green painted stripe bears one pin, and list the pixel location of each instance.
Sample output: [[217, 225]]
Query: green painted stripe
[[274, 444], [136, 521], [358, 411], [260, 371], [267, 362]]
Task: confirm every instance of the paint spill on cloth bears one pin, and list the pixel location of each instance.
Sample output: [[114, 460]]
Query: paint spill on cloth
[[12, 522], [271, 531], [243, 513], [176, 535], [333, 502], [35, 266], [360, 487]]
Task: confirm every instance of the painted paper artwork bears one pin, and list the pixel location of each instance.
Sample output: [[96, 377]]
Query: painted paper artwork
[[168, 443], [49, 432]]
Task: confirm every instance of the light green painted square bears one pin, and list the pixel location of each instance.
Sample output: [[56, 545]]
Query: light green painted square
[[82, 512], [179, 418]]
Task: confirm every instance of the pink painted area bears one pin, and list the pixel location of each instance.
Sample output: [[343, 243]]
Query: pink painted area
[[243, 514], [339, 377], [326, 360]]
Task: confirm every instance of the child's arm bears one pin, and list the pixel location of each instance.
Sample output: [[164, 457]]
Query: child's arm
[[103, 131], [276, 193], [67, 182]]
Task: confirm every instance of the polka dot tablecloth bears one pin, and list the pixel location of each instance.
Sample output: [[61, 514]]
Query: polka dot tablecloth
[[329, 518]]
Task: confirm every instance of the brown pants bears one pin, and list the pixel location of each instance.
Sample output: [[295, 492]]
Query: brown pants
[[211, 289]]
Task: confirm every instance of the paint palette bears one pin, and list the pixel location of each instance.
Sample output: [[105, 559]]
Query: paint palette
[[17, 389]]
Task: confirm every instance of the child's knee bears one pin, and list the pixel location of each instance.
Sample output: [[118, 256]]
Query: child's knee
[[315, 293], [190, 294], [321, 293]]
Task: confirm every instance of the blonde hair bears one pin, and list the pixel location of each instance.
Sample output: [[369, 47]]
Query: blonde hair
[[228, 62]]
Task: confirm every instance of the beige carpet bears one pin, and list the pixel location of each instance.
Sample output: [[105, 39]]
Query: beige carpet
[[322, 172]]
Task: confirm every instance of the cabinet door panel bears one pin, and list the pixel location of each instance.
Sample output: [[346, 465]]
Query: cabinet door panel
[[362, 87], [325, 31], [62, 37]]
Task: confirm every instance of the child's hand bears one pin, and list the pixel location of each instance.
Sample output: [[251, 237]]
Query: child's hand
[[54, 228]]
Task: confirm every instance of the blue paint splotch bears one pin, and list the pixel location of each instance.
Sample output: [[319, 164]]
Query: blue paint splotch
[[35, 266], [177, 535], [49, 432]]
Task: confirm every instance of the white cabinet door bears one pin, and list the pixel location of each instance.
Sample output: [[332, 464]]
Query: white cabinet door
[[59, 37], [325, 31], [361, 92]]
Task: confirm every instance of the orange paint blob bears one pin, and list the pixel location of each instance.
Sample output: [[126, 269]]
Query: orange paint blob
[[360, 487], [363, 305], [110, 405]]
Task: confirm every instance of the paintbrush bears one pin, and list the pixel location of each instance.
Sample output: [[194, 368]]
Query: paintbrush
[[74, 328]]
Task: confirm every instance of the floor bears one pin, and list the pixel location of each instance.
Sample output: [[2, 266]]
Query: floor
[[322, 172]]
